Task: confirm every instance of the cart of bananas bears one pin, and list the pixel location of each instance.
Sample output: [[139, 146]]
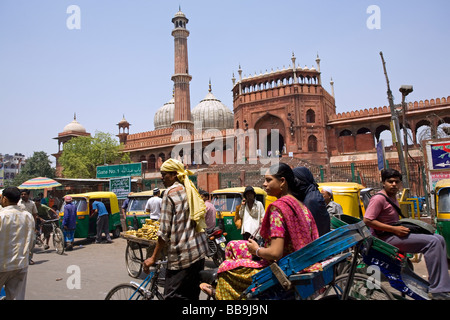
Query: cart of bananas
[[148, 230]]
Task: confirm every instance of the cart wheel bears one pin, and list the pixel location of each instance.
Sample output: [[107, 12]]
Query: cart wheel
[[58, 241], [134, 259], [362, 288]]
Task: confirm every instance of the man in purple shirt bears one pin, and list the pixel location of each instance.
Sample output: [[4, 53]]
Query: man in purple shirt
[[210, 215], [380, 217], [69, 222]]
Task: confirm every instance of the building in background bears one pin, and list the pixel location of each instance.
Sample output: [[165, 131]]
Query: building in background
[[10, 166], [290, 104]]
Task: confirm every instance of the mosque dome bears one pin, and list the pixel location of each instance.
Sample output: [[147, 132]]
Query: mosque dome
[[165, 115], [123, 122], [212, 113], [74, 126]]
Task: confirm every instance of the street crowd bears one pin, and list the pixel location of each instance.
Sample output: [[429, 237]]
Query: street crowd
[[300, 215]]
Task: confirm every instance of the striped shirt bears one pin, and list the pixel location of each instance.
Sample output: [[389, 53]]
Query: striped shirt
[[16, 238], [185, 246]]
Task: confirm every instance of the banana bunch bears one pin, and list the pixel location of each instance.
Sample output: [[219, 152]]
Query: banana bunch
[[148, 230]]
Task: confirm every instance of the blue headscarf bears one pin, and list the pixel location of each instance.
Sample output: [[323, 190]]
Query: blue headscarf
[[311, 197]]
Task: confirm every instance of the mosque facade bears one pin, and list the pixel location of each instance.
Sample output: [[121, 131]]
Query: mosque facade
[[287, 113]]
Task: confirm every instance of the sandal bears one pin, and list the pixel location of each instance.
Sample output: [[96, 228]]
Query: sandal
[[208, 289]]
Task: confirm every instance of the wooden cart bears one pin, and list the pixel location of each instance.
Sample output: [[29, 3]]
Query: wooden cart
[[138, 249]]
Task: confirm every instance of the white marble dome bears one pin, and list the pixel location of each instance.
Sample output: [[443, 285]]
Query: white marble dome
[[74, 126], [212, 113], [165, 115]]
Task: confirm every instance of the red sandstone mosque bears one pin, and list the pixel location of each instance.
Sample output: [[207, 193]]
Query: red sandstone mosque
[[289, 104]]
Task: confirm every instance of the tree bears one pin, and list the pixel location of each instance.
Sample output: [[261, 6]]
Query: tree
[[82, 155], [38, 165]]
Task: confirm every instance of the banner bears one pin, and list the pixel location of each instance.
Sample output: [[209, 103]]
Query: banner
[[440, 156], [381, 157]]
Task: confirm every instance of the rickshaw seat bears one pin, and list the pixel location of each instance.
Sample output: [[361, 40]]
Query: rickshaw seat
[[328, 245], [377, 244]]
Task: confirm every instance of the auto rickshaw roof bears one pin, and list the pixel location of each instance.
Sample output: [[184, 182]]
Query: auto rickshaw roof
[[94, 195], [147, 193], [141, 194], [442, 184], [240, 190], [342, 186]]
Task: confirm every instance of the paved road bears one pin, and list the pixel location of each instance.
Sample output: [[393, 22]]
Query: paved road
[[100, 267], [90, 271]]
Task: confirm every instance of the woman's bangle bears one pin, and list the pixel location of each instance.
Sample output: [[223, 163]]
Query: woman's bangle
[[257, 252]]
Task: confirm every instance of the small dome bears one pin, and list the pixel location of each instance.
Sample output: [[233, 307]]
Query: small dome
[[74, 126], [165, 115], [180, 14], [212, 113]]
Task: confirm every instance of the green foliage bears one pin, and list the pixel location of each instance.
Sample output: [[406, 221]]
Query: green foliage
[[82, 155]]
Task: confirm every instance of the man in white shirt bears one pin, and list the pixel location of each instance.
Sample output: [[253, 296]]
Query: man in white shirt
[[252, 213], [333, 208], [153, 206], [28, 205], [16, 239]]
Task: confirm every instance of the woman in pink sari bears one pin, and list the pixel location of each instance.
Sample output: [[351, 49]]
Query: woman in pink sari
[[287, 226]]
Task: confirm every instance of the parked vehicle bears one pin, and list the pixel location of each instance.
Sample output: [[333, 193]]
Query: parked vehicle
[[216, 244], [442, 207], [87, 224], [135, 214], [348, 195], [226, 201]]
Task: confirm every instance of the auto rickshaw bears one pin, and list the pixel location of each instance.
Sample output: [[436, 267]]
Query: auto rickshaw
[[87, 225], [226, 200], [135, 214], [442, 207], [348, 195]]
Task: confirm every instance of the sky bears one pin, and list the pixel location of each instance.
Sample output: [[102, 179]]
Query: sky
[[107, 59]]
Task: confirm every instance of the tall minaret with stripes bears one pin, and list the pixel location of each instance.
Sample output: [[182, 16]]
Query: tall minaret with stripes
[[181, 78]]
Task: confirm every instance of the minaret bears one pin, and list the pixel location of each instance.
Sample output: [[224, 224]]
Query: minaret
[[332, 87], [181, 78]]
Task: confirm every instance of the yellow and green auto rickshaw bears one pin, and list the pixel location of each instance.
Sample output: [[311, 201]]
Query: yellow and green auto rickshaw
[[87, 225], [350, 195], [135, 214], [442, 207], [226, 201]]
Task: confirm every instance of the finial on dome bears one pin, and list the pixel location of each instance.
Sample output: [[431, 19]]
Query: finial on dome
[[209, 90], [74, 116]]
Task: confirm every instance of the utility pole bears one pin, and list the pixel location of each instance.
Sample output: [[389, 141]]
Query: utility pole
[[405, 90], [395, 129]]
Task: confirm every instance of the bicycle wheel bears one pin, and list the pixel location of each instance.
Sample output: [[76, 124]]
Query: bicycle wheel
[[133, 259], [58, 240], [125, 291], [362, 288]]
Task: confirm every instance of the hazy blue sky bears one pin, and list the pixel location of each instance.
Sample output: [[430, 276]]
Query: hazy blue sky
[[120, 60]]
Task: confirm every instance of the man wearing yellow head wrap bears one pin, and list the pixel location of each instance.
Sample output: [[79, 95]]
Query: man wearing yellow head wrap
[[197, 207], [180, 231]]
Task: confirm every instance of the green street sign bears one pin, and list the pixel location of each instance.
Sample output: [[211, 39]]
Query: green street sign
[[120, 186], [120, 170]]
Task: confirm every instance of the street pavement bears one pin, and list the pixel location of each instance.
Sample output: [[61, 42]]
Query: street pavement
[[90, 271], [86, 273]]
